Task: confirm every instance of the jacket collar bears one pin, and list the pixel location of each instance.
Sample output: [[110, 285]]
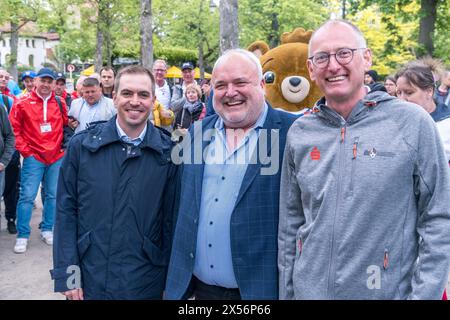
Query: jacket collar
[[35, 95], [106, 133], [360, 111], [272, 121]]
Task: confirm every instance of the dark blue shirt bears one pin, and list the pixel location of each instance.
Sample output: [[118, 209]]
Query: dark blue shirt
[[442, 112]]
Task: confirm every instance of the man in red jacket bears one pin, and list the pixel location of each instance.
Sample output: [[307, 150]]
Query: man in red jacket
[[38, 121]]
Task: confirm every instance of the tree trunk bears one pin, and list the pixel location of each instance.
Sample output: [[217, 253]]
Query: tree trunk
[[274, 37], [146, 34], [427, 25], [229, 25], [99, 52], [201, 64], [200, 37], [14, 50], [108, 46]]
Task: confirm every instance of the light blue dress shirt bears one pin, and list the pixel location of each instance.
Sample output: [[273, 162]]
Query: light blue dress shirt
[[123, 136], [222, 178]]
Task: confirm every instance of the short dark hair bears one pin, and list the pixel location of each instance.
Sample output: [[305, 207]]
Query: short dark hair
[[417, 74], [134, 70], [106, 68], [91, 82]]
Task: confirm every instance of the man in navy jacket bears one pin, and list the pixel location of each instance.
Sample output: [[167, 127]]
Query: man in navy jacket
[[116, 198]]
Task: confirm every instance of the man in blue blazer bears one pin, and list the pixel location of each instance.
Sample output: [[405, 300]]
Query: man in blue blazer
[[225, 241]]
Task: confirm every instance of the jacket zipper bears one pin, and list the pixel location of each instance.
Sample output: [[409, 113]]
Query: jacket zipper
[[355, 155], [386, 259], [300, 247], [332, 267]]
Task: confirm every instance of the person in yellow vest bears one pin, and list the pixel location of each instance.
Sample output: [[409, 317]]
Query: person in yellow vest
[[28, 81], [161, 115]]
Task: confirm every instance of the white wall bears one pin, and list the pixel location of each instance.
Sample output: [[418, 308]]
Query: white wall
[[37, 49]]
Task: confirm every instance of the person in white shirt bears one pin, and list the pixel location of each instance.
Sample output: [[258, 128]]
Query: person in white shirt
[[92, 107], [163, 90]]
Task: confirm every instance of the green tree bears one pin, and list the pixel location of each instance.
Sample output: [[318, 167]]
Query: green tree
[[389, 50], [428, 18], [17, 13], [268, 19]]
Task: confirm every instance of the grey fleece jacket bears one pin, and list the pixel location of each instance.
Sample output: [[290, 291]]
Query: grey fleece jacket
[[364, 205]]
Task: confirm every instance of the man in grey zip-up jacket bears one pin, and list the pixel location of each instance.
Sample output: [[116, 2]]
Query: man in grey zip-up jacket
[[365, 187]]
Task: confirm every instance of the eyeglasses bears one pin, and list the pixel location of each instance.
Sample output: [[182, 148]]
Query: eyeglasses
[[159, 70], [343, 56]]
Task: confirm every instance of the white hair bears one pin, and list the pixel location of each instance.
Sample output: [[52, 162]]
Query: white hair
[[243, 53], [160, 61]]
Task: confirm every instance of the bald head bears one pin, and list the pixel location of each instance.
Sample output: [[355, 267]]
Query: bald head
[[247, 55], [329, 25]]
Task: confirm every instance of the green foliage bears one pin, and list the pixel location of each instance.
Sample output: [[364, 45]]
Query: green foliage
[[257, 18], [391, 40], [174, 55], [395, 14], [19, 11]]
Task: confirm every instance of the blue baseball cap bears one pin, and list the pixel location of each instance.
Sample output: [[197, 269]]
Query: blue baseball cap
[[60, 76], [187, 65], [46, 72], [29, 73]]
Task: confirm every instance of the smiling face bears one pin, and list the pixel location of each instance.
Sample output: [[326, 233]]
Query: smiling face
[[160, 71], [191, 95], [340, 83], [134, 101], [29, 83], [238, 91], [44, 86], [188, 76]]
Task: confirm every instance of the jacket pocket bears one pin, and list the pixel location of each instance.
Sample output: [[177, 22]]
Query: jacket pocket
[[157, 256], [83, 244]]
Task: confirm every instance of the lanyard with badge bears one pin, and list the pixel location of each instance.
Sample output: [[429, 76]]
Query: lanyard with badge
[[46, 126]]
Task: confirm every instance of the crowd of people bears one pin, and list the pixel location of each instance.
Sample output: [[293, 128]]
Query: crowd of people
[[356, 207]]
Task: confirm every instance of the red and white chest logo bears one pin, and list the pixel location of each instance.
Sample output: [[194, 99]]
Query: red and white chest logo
[[315, 154]]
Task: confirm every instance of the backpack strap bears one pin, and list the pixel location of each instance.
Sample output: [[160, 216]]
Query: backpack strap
[[58, 100], [6, 102]]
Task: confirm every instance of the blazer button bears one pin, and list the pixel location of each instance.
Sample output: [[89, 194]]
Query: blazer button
[[191, 255], [195, 221]]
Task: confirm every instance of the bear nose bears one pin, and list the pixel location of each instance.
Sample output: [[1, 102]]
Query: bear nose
[[295, 81]]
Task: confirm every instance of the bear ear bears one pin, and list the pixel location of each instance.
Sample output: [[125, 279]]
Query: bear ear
[[298, 35], [258, 48]]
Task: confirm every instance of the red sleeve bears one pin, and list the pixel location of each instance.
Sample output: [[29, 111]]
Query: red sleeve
[[65, 113], [16, 119]]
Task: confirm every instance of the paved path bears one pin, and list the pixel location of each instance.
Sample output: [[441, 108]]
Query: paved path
[[26, 276]]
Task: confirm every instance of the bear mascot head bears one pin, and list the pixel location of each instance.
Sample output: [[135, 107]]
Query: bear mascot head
[[288, 85]]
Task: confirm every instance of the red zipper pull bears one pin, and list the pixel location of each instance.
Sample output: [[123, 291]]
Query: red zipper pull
[[386, 260], [342, 134], [355, 148]]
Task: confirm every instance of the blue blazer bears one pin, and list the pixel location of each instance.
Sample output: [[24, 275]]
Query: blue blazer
[[254, 223]]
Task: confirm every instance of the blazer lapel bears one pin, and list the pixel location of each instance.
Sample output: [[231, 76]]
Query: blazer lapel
[[199, 168], [272, 122]]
